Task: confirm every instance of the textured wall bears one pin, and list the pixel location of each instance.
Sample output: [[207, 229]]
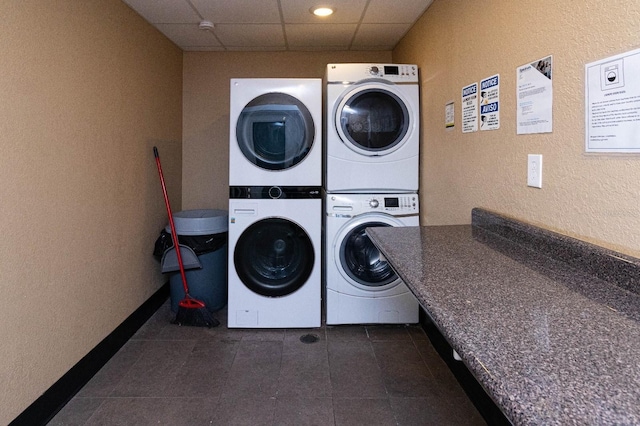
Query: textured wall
[[457, 42], [87, 88], [206, 109]]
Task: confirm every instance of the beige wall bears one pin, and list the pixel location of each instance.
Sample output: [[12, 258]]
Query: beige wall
[[458, 42], [206, 109], [87, 88]]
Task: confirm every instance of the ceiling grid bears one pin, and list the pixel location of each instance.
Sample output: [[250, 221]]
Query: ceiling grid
[[279, 25]]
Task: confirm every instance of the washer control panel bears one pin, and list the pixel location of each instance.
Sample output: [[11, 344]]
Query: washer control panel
[[352, 204], [393, 71]]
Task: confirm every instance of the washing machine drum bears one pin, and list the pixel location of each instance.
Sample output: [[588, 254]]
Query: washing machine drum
[[362, 261], [372, 121], [274, 257], [275, 131]]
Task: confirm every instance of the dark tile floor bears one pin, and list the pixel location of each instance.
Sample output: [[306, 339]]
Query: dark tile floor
[[353, 375]]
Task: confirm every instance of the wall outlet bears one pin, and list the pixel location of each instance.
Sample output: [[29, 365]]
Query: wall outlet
[[534, 170]]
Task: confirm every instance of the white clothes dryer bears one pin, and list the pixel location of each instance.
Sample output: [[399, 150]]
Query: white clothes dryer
[[372, 128], [361, 287], [275, 132], [274, 257]]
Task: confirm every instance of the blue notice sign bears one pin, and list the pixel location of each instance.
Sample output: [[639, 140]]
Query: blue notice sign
[[490, 103]]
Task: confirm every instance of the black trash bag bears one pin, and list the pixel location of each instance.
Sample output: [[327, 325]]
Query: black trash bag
[[200, 244]]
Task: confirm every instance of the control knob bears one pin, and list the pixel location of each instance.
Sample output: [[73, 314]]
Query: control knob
[[374, 203], [275, 192]]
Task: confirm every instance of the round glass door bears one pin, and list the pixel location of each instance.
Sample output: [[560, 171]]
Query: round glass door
[[275, 131], [373, 121], [274, 257], [362, 261]]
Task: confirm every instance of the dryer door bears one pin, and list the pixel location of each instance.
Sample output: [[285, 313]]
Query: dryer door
[[373, 119], [359, 261], [274, 257], [275, 131]]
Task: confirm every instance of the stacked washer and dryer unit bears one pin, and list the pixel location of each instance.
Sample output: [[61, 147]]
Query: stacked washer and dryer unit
[[275, 203], [371, 170], [276, 178]]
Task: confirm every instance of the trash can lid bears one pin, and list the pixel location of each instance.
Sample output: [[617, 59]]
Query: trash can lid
[[200, 222]]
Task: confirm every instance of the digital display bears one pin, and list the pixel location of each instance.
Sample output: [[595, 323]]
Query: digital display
[[391, 70], [391, 202]]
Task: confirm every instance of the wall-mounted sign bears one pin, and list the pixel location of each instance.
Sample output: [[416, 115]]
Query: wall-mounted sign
[[449, 115], [612, 104], [490, 103], [470, 108], [535, 97]]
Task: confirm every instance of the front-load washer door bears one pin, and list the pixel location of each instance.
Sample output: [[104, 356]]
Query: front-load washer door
[[274, 257], [373, 119], [275, 131], [358, 259]]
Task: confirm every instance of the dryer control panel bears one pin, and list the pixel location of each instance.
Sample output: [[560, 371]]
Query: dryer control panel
[[395, 73], [354, 204]]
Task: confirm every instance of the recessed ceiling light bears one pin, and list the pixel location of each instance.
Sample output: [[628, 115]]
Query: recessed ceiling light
[[322, 11]]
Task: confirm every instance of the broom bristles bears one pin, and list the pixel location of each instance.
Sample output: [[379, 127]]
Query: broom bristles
[[192, 312]]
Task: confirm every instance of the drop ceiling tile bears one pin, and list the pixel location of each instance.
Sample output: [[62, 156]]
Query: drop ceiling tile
[[388, 11], [239, 11], [372, 48], [188, 35], [247, 35], [203, 48], [257, 48], [317, 48], [178, 20], [380, 34], [164, 11], [346, 11], [336, 35]]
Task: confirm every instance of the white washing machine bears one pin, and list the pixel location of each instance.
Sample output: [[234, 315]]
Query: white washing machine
[[275, 257], [275, 132], [361, 287], [372, 128]]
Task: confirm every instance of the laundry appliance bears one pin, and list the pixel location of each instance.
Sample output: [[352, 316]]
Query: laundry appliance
[[275, 132], [372, 120], [361, 287], [274, 257]]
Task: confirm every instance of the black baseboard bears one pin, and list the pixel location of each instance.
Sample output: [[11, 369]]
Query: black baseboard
[[476, 393], [53, 399]]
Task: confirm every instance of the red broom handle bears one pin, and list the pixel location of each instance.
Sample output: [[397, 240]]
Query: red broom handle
[[174, 235]]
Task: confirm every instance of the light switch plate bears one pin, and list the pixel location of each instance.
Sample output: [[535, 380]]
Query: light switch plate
[[534, 170]]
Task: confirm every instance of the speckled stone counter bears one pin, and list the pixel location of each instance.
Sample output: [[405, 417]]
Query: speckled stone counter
[[549, 325]]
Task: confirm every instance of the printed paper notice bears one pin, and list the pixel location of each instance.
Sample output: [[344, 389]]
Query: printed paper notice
[[612, 104], [535, 97], [470, 108], [449, 116], [490, 103]]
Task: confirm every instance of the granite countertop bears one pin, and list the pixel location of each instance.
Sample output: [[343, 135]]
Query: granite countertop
[[550, 330]]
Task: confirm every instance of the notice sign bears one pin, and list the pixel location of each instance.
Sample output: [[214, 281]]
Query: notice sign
[[535, 97], [470, 108], [449, 115], [612, 104], [490, 103]]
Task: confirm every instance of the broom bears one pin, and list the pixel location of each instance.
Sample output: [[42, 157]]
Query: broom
[[191, 311]]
